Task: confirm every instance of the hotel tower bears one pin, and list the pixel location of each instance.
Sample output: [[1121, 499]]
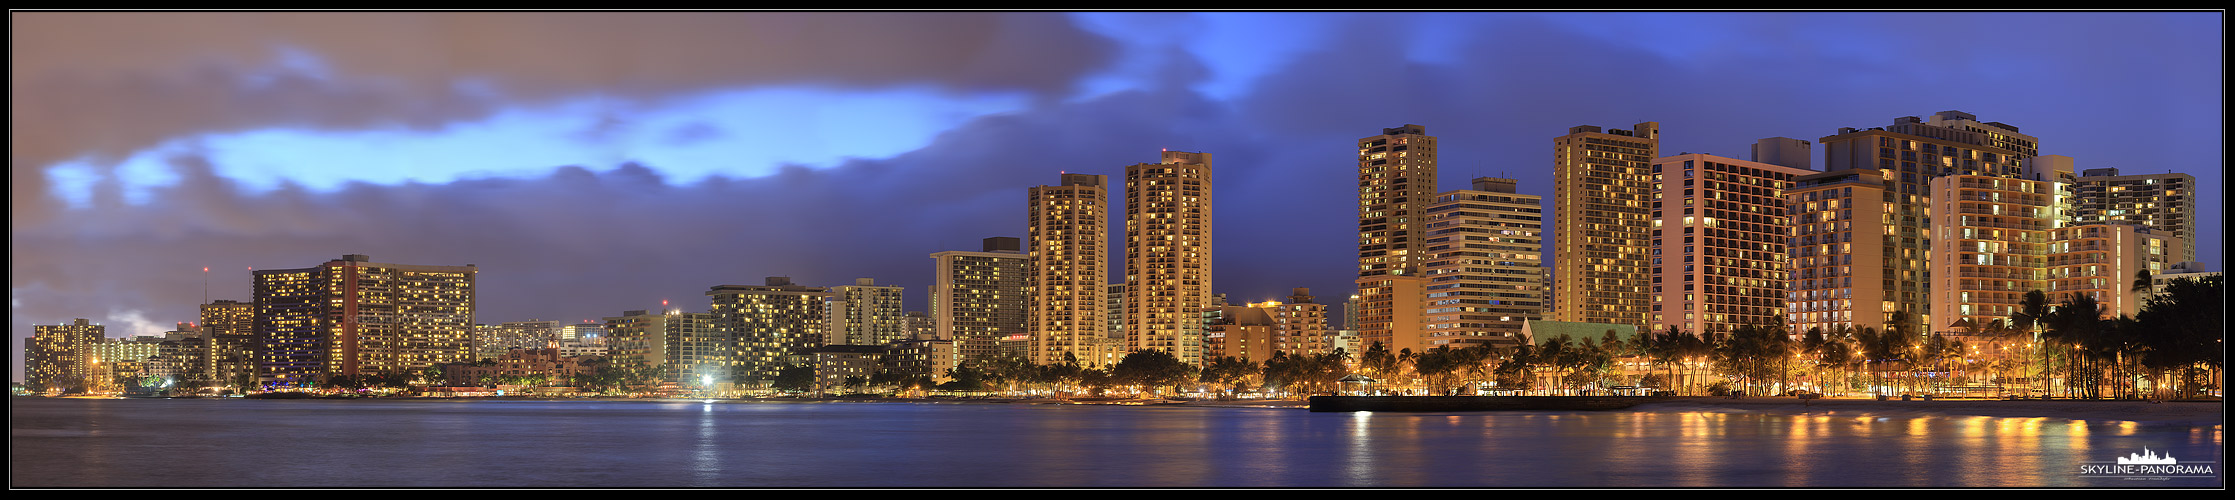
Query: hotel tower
[[1485, 276], [979, 297], [2166, 203], [1168, 254], [1864, 228], [1719, 237], [1068, 228], [1396, 183], [352, 317], [1602, 198]]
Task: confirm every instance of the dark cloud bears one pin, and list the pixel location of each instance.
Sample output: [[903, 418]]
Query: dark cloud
[[104, 84]]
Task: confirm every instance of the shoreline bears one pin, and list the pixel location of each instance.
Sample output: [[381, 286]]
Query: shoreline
[[2189, 413]]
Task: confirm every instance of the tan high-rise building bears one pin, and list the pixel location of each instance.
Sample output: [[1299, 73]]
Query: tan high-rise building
[[1068, 233], [1719, 237], [2101, 261], [865, 313], [1300, 325], [2164, 202], [353, 317], [979, 297], [1396, 183], [1168, 254], [1602, 200], [1837, 262], [229, 342], [1889, 271], [1484, 265], [1990, 245], [685, 348]]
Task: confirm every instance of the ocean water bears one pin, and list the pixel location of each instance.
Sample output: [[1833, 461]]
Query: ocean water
[[629, 444]]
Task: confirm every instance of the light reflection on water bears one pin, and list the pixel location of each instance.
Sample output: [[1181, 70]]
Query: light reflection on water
[[122, 443]]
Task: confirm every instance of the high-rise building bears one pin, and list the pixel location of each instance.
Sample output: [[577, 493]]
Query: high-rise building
[[1990, 245], [57, 358], [772, 326], [1834, 243], [353, 317], [920, 325], [1485, 278], [2164, 202], [865, 313], [1168, 247], [1068, 228], [1602, 200], [685, 348], [1889, 230], [229, 343], [979, 297], [1396, 183], [1719, 238], [1299, 324], [493, 341], [2102, 261]]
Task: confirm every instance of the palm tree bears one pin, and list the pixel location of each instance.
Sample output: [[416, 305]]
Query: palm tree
[[1408, 362], [1229, 373], [1435, 368], [1378, 363], [2183, 330], [2033, 310], [1881, 349], [1838, 352], [1474, 363], [2076, 328], [1516, 372], [1553, 352]]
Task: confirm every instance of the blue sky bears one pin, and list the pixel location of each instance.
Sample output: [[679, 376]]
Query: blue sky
[[627, 158]]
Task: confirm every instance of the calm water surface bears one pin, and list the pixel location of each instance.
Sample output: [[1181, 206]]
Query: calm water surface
[[427, 443]]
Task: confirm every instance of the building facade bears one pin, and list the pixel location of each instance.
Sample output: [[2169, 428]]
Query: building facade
[[1719, 243], [1990, 245], [1068, 228], [1484, 264], [2165, 203], [1889, 273], [979, 297], [352, 317], [491, 341], [1168, 248], [866, 313], [2102, 261], [1396, 183], [771, 326], [1602, 195], [58, 358], [229, 343], [672, 346]]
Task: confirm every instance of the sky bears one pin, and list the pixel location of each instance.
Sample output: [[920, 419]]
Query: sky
[[595, 162]]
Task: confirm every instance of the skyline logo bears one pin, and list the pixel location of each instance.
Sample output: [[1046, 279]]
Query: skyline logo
[[2147, 465], [2147, 457]]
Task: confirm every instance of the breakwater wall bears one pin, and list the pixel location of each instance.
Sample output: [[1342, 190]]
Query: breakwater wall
[[1476, 403]]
